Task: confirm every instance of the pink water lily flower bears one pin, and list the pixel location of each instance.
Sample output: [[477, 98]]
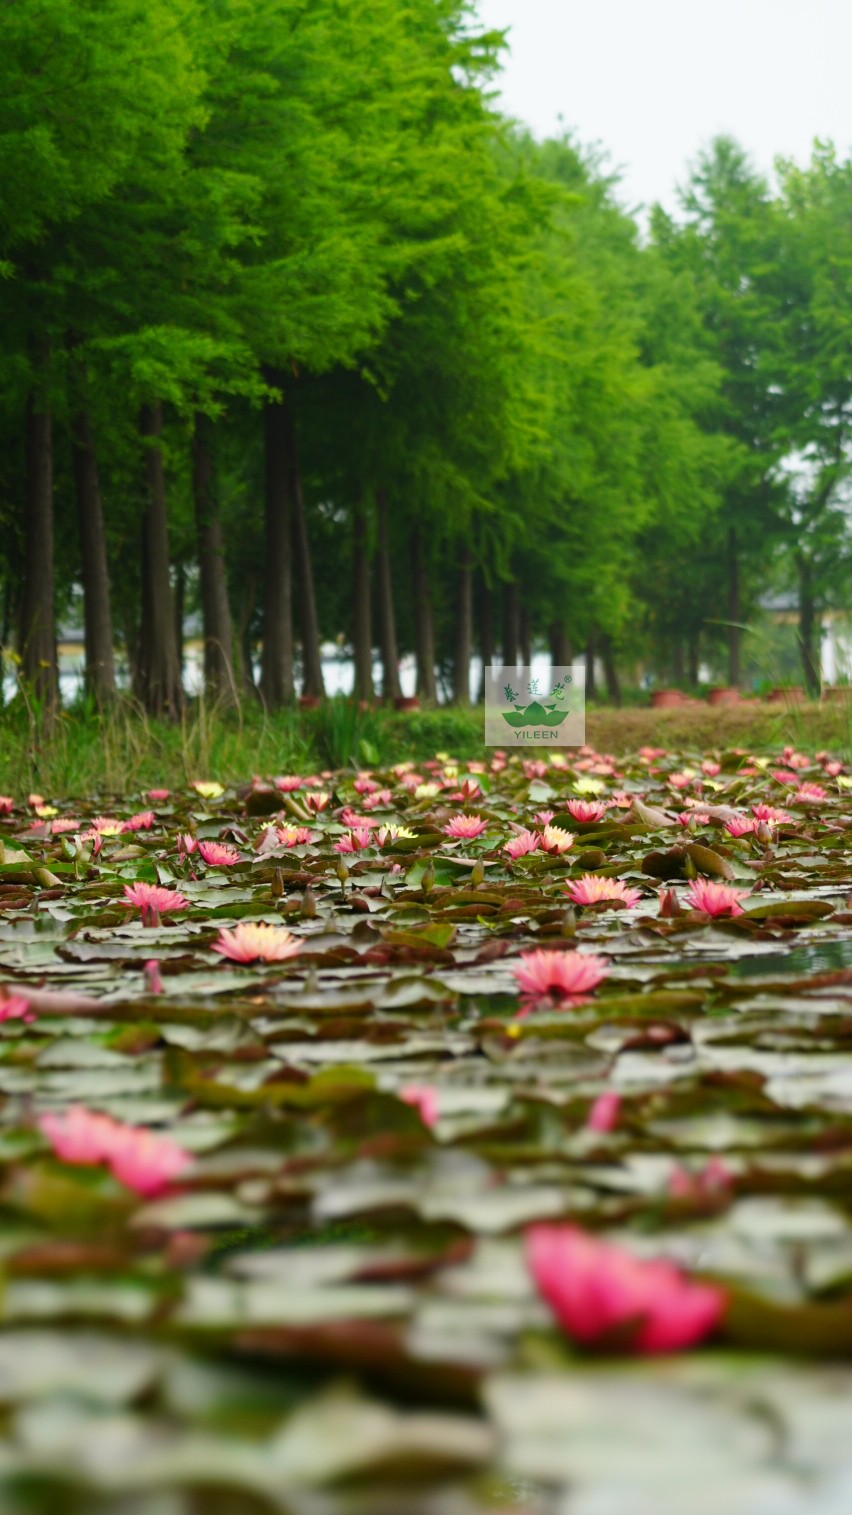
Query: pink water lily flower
[[465, 827], [710, 768], [468, 791], [293, 836], [559, 975], [809, 794], [157, 796], [601, 1293], [219, 854], [522, 844], [592, 890], [317, 802], [78, 1135], [356, 841], [105, 825], [784, 776], [152, 900], [255, 941], [684, 780], [141, 822], [138, 1158], [14, 1007], [144, 1161], [715, 899], [555, 840], [772, 816], [605, 1111], [586, 811], [693, 818], [380, 797], [424, 1099], [7, 804], [741, 825], [187, 843], [713, 1179], [356, 822]]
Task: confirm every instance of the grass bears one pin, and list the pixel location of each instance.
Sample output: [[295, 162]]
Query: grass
[[88, 753]]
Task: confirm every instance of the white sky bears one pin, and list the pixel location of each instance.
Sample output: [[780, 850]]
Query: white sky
[[654, 80]]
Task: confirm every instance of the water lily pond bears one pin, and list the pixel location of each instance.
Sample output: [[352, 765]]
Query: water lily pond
[[431, 1141]]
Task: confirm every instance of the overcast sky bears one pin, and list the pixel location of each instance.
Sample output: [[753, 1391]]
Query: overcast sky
[[654, 80]]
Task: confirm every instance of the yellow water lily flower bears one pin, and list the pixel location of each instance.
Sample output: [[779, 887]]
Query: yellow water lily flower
[[208, 789]]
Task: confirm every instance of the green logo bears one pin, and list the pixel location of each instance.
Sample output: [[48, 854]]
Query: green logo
[[547, 710]]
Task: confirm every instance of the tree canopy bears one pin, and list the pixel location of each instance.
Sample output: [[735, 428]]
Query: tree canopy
[[301, 334]]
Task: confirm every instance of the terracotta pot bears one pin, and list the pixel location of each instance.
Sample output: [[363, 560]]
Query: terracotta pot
[[837, 692], [724, 696], [792, 696], [666, 699], [309, 701], [406, 702]]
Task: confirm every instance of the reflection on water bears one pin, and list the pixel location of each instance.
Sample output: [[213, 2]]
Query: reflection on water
[[820, 957]]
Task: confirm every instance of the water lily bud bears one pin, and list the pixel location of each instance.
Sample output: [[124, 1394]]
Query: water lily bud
[[427, 883], [308, 909], [568, 926], [341, 870], [153, 982], [669, 903], [764, 832], [277, 884], [477, 873]]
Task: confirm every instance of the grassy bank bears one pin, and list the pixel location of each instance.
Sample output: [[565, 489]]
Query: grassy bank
[[86, 753]]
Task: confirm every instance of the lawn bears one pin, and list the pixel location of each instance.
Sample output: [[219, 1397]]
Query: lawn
[[438, 1137]]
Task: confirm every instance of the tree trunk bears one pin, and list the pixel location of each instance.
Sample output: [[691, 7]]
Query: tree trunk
[[808, 644], [38, 633], [486, 631], [525, 637], [463, 643], [362, 636], [510, 625], [312, 679], [217, 627], [678, 665], [97, 613], [276, 674], [244, 649], [179, 598], [734, 636], [591, 650], [613, 686], [391, 686], [159, 667], [424, 630], [560, 645], [692, 659]]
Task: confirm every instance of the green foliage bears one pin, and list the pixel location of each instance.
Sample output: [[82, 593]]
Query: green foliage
[[206, 207]]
